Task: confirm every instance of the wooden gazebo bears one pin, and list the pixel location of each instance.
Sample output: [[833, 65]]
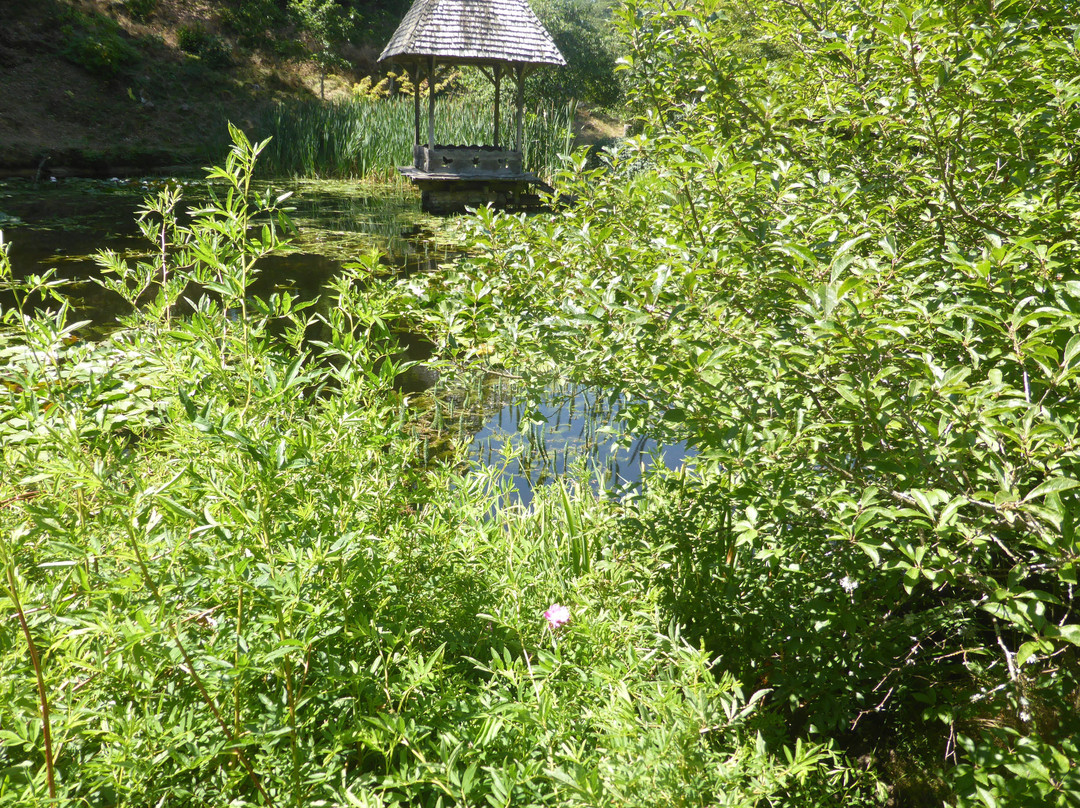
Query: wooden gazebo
[[503, 38]]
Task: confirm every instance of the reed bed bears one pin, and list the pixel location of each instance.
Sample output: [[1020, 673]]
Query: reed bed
[[370, 138]]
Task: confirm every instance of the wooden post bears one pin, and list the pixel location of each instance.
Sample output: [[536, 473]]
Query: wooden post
[[520, 122], [431, 107], [498, 76], [416, 103]]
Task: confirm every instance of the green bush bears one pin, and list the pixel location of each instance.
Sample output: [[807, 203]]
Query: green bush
[[198, 41], [586, 36], [232, 580], [96, 44], [250, 20], [831, 263], [140, 9]]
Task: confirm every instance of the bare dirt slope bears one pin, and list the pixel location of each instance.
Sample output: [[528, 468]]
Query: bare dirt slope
[[87, 89], [94, 88]]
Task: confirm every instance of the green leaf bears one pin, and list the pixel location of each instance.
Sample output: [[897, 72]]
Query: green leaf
[[175, 507], [911, 579], [1028, 650], [950, 512], [871, 550], [1071, 351], [1070, 632], [1052, 486]]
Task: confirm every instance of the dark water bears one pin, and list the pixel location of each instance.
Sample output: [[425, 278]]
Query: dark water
[[63, 224]]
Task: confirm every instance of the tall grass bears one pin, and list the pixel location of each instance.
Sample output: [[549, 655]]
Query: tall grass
[[361, 138]]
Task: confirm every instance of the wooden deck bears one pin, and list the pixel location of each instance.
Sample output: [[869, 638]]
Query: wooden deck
[[446, 193], [441, 177]]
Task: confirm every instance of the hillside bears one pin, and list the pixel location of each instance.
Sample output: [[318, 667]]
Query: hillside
[[124, 86]]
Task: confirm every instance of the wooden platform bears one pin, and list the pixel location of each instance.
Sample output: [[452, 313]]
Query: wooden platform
[[442, 177], [446, 193]]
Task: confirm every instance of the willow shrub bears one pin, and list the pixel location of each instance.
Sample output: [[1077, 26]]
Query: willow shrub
[[839, 258], [229, 580]]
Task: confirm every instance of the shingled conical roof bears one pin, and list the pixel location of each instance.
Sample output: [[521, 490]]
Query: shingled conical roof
[[473, 31]]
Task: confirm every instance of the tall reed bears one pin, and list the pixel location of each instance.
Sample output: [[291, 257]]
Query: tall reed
[[363, 138]]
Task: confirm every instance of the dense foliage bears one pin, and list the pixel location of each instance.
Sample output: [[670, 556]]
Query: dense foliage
[[586, 37], [228, 578], [318, 26], [94, 43], [840, 258]]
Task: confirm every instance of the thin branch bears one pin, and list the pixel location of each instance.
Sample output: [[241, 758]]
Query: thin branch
[[24, 497], [35, 660]]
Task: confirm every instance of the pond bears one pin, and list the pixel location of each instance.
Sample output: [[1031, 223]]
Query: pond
[[574, 429], [63, 224]]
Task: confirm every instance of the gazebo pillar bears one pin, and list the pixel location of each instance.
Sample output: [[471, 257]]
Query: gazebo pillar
[[431, 106], [416, 104], [498, 78], [519, 122]]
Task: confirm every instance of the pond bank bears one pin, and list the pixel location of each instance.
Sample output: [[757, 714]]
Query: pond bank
[[91, 165]]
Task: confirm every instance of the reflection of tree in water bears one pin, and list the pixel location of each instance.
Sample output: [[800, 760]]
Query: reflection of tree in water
[[538, 442]]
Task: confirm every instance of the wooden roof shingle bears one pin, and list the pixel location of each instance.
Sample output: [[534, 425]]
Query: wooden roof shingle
[[473, 31]]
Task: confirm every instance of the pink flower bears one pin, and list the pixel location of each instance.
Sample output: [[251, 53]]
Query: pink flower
[[557, 615]]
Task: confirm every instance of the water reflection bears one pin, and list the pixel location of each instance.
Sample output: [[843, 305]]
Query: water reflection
[[571, 426]]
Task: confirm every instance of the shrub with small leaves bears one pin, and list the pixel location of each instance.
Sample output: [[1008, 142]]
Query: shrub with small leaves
[[247, 588], [832, 263], [140, 10], [198, 41]]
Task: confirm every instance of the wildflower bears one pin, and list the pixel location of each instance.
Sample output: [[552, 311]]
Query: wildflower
[[849, 585], [557, 615]]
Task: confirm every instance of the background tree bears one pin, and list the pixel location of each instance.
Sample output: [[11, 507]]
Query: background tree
[[586, 36], [327, 24]]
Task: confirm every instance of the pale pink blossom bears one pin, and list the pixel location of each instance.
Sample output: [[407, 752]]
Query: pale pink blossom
[[557, 615]]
